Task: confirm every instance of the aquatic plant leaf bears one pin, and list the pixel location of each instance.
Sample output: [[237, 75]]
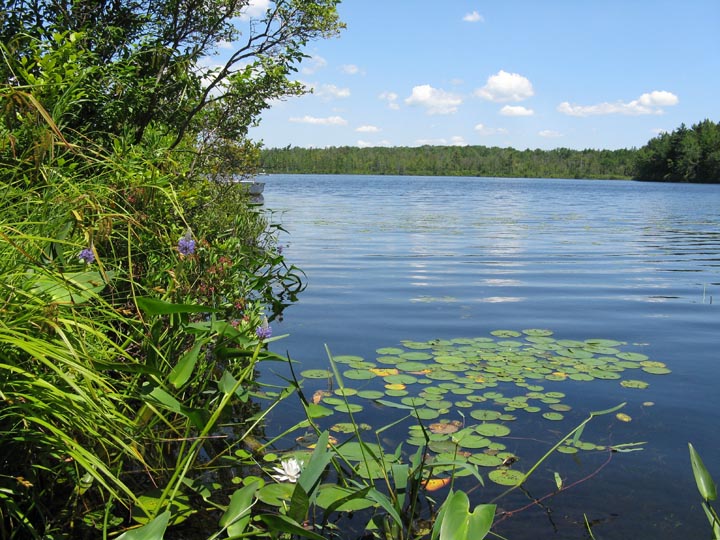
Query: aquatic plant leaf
[[359, 374], [316, 374], [456, 522], [705, 484], [342, 499], [485, 415], [623, 417], [153, 530], [485, 460], [506, 477], [553, 416], [492, 430], [630, 383], [370, 394], [237, 515]]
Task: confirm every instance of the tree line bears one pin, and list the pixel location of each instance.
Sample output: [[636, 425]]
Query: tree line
[[685, 155]]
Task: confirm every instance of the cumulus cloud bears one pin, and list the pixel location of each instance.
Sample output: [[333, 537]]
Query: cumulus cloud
[[368, 144], [516, 110], [434, 100], [255, 9], [313, 64], [329, 121], [549, 133], [504, 86], [390, 98], [473, 17], [367, 129], [350, 69], [485, 130], [648, 103], [330, 91]]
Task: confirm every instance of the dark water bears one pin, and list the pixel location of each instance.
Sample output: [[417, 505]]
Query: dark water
[[395, 258]]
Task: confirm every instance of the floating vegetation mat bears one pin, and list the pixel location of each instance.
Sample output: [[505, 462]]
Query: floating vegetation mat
[[453, 387]]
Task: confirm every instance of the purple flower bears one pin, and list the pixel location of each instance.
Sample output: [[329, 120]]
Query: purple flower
[[186, 245], [263, 331], [87, 256]]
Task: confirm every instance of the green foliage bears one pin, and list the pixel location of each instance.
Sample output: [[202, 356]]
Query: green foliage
[[684, 155], [451, 161], [707, 488], [132, 281]]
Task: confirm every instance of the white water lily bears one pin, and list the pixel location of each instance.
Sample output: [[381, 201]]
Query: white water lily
[[289, 471]]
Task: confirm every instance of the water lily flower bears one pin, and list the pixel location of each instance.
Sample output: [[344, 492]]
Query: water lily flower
[[289, 471]]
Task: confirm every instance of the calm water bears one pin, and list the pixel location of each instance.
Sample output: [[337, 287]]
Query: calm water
[[396, 258]]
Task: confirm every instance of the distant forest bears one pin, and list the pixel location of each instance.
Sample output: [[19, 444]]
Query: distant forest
[[685, 155]]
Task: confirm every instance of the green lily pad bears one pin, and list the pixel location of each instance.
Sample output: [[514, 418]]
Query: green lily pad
[[492, 430], [359, 374], [473, 441], [506, 477], [316, 374], [371, 394], [328, 494], [553, 416], [485, 460], [631, 383], [485, 415], [347, 358], [390, 351]]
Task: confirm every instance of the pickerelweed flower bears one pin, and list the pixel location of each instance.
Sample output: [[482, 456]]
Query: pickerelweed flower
[[186, 245], [288, 471], [263, 331], [87, 256]]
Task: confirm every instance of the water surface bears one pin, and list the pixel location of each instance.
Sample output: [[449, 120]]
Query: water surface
[[393, 258]]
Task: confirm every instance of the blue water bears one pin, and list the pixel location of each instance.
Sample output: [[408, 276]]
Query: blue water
[[392, 258]]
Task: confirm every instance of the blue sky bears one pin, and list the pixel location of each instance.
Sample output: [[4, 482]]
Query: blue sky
[[511, 73]]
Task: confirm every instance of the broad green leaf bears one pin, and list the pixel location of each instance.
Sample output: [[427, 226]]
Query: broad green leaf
[[315, 466], [280, 523], [237, 516], [299, 504], [706, 485], [181, 373], [154, 530], [153, 306]]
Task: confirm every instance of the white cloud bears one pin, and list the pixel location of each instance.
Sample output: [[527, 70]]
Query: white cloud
[[368, 144], [367, 129], [457, 140], [434, 100], [485, 130], [350, 69], [391, 99], [255, 9], [549, 133], [431, 142], [329, 121], [330, 91], [504, 86], [314, 63], [658, 98], [648, 103], [473, 17], [516, 110]]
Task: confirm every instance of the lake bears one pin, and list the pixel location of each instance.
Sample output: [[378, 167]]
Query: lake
[[393, 260]]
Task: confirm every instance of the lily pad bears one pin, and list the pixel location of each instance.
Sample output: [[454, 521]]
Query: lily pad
[[492, 430], [631, 383], [316, 374], [506, 477]]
